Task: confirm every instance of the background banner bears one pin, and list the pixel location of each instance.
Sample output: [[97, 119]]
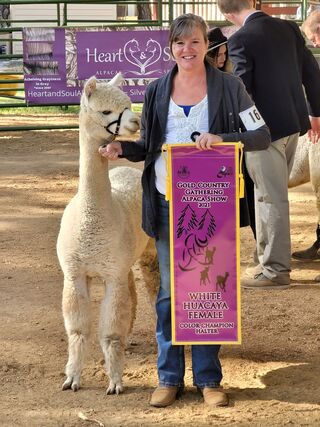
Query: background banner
[[57, 61], [204, 234]]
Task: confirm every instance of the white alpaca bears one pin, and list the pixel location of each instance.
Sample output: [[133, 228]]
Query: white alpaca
[[101, 235], [305, 169]]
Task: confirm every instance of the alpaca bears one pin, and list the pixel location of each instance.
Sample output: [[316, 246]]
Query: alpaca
[[204, 276], [306, 168], [209, 255], [100, 234], [221, 281]]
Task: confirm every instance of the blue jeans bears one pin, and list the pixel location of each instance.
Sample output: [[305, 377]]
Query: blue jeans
[[206, 365]]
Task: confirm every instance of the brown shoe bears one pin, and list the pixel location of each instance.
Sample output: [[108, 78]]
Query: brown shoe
[[164, 396], [253, 271], [215, 396], [310, 254], [260, 281]]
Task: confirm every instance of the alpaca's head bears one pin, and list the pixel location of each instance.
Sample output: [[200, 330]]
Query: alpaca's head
[[106, 109]]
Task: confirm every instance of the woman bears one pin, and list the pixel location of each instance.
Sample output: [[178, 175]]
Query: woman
[[193, 96], [217, 51]]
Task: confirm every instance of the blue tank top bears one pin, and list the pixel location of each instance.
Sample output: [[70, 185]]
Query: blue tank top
[[186, 109]]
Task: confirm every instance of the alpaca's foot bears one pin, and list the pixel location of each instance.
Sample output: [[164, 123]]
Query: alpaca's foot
[[310, 254], [114, 388], [72, 383]]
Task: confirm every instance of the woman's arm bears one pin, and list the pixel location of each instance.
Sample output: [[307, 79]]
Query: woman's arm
[[254, 133]]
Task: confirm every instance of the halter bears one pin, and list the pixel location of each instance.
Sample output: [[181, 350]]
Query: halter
[[117, 122]]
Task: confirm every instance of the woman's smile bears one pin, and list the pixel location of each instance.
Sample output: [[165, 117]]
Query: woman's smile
[[190, 49]]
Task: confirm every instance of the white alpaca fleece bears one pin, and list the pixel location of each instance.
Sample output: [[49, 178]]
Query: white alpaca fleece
[[94, 92], [101, 235], [306, 167]]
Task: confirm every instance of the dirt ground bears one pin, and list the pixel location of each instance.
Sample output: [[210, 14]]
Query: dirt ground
[[273, 378]]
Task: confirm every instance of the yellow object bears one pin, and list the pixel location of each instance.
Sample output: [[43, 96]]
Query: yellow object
[[241, 178], [239, 161], [14, 85], [239, 193]]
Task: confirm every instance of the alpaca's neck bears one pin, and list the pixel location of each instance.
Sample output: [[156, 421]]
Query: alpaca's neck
[[94, 183]]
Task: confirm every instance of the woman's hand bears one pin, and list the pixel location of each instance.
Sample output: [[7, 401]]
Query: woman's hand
[[204, 140], [111, 151]]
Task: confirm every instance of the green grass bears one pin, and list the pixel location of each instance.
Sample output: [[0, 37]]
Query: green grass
[[22, 111], [137, 108]]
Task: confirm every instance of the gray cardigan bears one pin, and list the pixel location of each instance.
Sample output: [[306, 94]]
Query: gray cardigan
[[227, 97]]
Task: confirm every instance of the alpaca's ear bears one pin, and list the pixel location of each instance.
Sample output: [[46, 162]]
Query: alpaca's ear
[[117, 80], [90, 86]]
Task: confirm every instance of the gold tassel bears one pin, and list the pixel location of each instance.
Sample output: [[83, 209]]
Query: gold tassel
[[241, 178]]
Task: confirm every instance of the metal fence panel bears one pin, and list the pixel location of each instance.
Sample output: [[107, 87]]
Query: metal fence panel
[[16, 14]]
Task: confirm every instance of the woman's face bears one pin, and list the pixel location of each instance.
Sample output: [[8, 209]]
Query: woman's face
[[222, 56], [189, 51]]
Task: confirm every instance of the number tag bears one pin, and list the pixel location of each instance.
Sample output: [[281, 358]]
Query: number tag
[[251, 118]]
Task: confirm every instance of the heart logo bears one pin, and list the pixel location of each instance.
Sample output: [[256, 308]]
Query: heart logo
[[142, 58]]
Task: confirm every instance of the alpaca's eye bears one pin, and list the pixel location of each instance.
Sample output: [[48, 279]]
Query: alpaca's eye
[[106, 112]]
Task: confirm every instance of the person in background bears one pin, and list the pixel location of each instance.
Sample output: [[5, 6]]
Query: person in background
[[311, 28], [279, 72], [217, 50], [193, 96]]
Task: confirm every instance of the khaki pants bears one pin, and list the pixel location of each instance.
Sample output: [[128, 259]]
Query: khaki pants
[[270, 170]]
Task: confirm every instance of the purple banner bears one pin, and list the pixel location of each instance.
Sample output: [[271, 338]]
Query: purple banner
[[204, 226], [57, 61]]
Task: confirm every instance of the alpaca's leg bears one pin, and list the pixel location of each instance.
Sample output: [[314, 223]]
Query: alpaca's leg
[[312, 252], [133, 295], [314, 159], [300, 172], [148, 264], [115, 321], [76, 314]]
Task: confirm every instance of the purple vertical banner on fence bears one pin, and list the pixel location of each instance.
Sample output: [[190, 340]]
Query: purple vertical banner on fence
[[45, 67], [57, 61], [204, 227]]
